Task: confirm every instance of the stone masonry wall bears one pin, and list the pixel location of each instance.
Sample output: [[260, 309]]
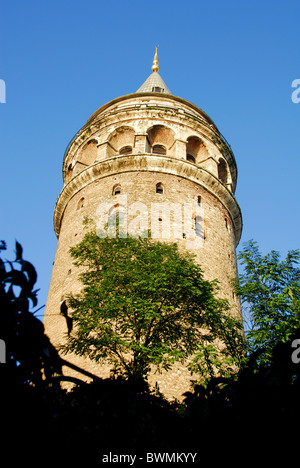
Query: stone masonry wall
[[216, 256], [92, 168]]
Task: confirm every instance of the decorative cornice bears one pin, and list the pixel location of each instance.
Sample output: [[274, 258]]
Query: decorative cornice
[[99, 113], [150, 95]]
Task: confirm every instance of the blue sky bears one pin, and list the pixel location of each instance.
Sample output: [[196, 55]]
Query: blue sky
[[62, 60]]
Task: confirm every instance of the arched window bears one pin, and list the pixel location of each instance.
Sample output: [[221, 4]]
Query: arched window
[[80, 203], [227, 224], [161, 139], [126, 150], [159, 149], [159, 188], [196, 149], [116, 189], [223, 171], [190, 158], [88, 154], [70, 171], [120, 141]]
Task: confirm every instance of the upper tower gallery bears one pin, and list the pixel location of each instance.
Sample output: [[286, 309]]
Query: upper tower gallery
[[153, 148], [150, 122]]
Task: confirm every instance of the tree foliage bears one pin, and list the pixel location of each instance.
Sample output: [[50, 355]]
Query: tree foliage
[[259, 405], [145, 304], [269, 289]]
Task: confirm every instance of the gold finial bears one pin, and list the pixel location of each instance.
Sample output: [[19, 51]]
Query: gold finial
[[155, 66]]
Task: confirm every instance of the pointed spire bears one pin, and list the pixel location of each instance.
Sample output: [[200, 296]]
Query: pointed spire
[[154, 82], [155, 66]]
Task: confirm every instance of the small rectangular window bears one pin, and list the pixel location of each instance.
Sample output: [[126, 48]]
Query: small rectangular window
[[156, 89]]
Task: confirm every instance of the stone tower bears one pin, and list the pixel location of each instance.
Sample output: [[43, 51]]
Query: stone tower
[[137, 153]]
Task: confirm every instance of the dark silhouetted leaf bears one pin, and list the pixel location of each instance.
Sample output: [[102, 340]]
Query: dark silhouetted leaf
[[2, 245], [17, 278], [19, 251], [69, 320], [28, 268]]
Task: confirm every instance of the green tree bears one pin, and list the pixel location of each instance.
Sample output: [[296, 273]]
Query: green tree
[[144, 303], [269, 289]]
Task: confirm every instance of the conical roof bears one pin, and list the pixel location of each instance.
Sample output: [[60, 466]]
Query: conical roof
[[154, 83]]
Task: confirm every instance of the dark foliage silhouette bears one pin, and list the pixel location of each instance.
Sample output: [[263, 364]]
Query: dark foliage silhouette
[[40, 418], [30, 357], [259, 406], [251, 417]]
